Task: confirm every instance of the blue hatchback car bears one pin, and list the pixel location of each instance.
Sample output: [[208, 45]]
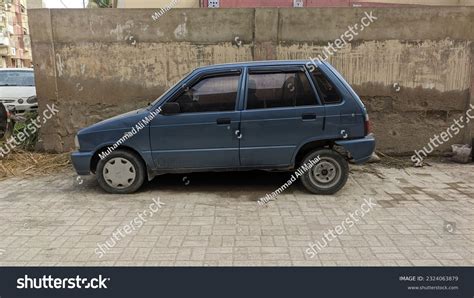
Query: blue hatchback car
[[271, 115]]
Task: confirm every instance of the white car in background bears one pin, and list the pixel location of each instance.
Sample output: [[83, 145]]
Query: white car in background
[[17, 89]]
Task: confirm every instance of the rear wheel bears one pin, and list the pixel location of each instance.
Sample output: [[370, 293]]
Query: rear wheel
[[120, 172], [328, 175]]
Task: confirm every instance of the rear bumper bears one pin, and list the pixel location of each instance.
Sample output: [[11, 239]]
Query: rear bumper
[[360, 149], [82, 162]]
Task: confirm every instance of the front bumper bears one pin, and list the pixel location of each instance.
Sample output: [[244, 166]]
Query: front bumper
[[82, 162], [20, 109], [360, 149]]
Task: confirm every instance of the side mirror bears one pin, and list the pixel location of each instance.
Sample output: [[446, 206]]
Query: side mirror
[[170, 108]]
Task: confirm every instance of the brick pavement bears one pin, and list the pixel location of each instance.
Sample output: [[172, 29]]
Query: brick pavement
[[424, 217]]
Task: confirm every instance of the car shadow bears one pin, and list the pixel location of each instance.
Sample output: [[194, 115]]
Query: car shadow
[[251, 184]]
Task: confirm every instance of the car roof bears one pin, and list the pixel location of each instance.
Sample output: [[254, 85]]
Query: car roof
[[255, 63], [16, 69]]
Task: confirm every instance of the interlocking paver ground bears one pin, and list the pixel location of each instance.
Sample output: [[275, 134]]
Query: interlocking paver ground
[[424, 217]]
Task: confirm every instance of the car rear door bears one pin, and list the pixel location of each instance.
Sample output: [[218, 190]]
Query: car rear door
[[281, 112]]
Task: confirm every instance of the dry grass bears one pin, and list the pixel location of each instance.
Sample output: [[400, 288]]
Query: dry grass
[[23, 163]]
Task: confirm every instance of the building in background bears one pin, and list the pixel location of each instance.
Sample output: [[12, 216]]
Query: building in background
[[328, 3], [33, 4], [15, 47]]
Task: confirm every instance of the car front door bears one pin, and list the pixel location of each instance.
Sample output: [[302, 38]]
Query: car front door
[[281, 112], [202, 135]]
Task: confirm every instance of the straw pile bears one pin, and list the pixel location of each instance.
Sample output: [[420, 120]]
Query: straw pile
[[23, 163]]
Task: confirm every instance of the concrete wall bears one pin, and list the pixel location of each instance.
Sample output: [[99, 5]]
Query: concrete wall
[[98, 63], [159, 3]]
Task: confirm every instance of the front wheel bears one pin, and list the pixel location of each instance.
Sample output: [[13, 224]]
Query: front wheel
[[328, 175], [121, 172]]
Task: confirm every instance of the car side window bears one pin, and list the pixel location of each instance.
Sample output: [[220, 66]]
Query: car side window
[[327, 90], [210, 94], [279, 89]]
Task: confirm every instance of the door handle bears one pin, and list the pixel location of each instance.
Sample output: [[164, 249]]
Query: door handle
[[223, 121], [308, 116]]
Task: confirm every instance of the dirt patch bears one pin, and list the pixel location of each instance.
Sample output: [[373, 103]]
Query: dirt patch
[[404, 161], [399, 162]]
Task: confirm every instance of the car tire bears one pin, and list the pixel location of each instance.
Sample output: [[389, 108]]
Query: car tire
[[328, 175], [121, 172]]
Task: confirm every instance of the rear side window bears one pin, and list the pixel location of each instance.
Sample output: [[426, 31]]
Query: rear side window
[[279, 89], [326, 88], [210, 94]]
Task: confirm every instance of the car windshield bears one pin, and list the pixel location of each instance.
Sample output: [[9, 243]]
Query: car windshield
[[17, 78]]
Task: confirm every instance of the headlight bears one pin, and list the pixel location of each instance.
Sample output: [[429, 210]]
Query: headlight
[[32, 99], [76, 142]]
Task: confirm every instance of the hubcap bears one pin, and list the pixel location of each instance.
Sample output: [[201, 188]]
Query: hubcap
[[326, 173], [119, 173]]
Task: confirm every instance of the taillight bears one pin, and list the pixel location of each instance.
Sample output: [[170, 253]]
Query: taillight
[[367, 124]]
